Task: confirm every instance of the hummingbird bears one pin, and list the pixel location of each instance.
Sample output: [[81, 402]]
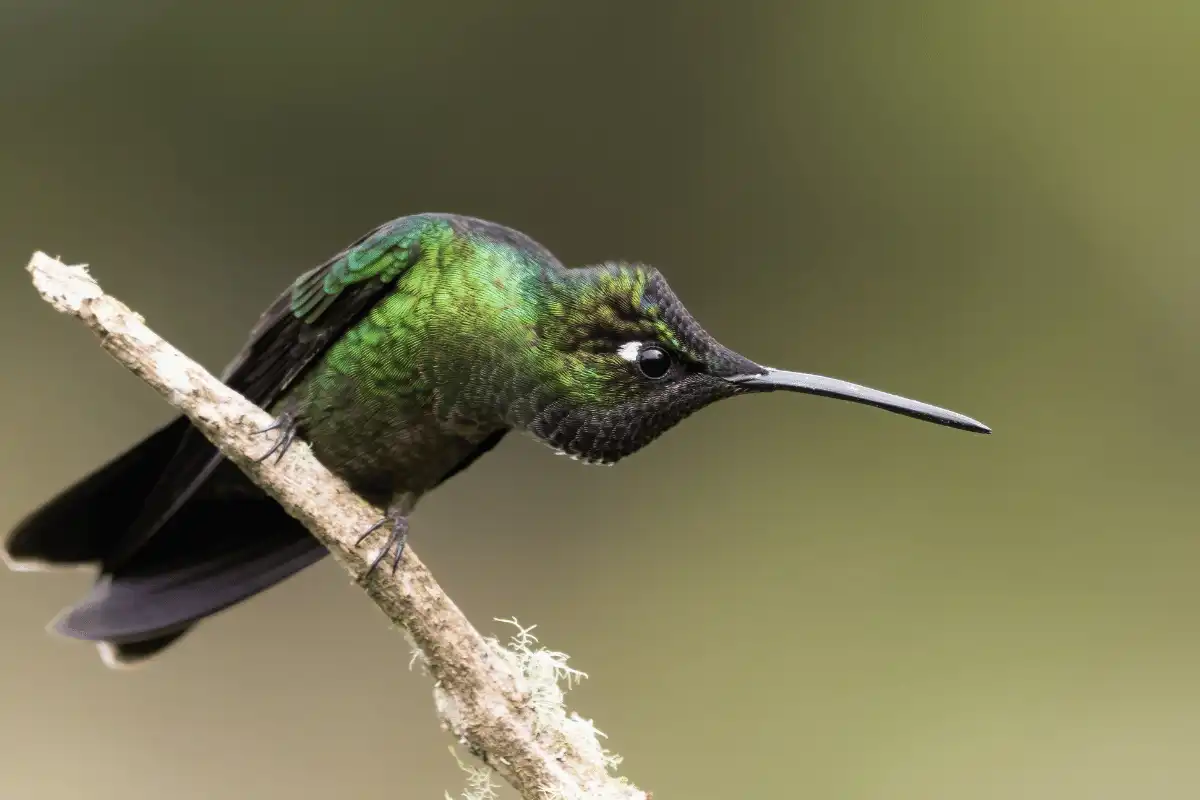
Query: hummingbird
[[400, 361]]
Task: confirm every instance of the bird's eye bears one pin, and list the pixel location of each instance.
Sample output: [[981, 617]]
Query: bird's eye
[[654, 362]]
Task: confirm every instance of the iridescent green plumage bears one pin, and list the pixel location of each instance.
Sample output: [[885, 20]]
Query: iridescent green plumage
[[479, 330], [400, 361], [396, 403]]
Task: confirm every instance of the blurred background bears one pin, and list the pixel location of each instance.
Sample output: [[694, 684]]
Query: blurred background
[[988, 206]]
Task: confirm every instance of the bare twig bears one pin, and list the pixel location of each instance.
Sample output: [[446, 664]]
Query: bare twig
[[493, 699]]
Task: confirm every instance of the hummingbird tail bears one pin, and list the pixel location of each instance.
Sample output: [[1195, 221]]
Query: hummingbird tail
[[226, 543], [210, 555], [86, 521]]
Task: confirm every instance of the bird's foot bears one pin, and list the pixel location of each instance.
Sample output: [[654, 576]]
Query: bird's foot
[[396, 523], [287, 426]]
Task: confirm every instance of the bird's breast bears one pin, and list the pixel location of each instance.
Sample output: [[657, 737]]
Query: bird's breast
[[383, 443]]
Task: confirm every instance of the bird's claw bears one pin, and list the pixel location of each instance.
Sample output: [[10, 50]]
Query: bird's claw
[[287, 425], [397, 536]]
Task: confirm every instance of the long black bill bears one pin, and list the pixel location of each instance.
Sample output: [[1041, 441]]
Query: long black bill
[[782, 380]]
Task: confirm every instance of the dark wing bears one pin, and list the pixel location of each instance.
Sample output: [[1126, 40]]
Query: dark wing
[[289, 337]]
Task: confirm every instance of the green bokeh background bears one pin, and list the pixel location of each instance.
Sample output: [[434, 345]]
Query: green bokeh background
[[989, 206]]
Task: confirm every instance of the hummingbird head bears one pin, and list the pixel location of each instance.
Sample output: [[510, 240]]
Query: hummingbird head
[[622, 361]]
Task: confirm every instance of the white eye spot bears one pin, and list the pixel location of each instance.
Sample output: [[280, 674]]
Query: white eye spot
[[629, 351]]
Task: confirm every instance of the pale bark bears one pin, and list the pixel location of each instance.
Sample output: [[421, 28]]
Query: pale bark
[[492, 699]]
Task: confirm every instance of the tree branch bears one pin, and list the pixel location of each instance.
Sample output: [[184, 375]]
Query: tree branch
[[504, 704]]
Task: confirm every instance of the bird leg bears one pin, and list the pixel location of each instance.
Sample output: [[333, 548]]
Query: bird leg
[[287, 425], [396, 522]]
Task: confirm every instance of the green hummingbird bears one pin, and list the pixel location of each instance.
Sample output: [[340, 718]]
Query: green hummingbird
[[400, 361]]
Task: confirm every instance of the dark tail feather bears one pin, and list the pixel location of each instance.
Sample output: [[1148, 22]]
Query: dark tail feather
[[211, 554], [132, 654], [225, 544], [83, 523]]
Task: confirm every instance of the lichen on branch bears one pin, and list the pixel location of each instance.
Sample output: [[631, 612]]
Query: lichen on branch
[[503, 703]]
